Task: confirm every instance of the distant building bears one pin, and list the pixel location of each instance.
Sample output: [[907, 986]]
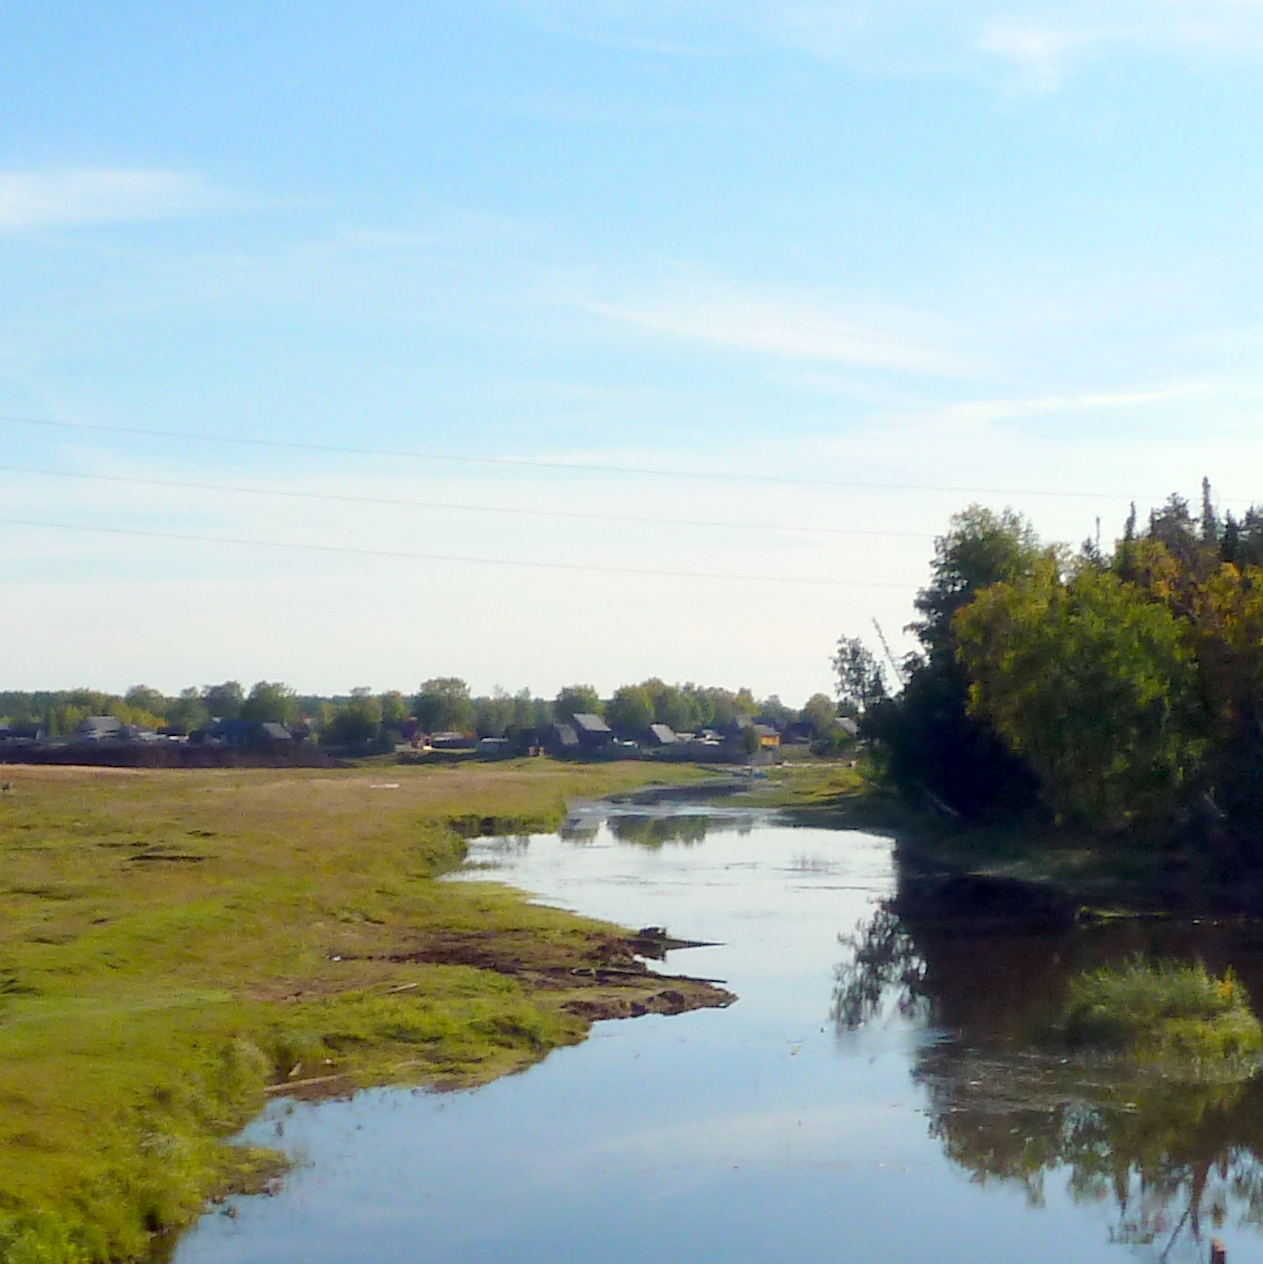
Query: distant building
[[563, 740], [662, 735], [99, 728], [769, 738], [847, 725], [448, 740], [493, 746], [271, 732], [592, 731]]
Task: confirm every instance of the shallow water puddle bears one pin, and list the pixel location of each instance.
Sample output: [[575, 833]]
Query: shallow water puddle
[[874, 1095]]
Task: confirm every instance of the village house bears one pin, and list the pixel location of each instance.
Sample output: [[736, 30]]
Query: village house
[[592, 731], [98, 728]]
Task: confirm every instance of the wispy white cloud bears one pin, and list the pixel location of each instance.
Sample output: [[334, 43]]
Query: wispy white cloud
[[1036, 44], [96, 195], [789, 324], [987, 412], [1042, 56]]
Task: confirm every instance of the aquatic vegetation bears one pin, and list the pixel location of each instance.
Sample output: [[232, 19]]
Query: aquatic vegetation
[[1164, 1011]]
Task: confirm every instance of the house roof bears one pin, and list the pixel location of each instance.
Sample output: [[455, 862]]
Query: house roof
[[845, 722], [566, 735], [590, 723], [663, 732], [277, 732], [100, 724]]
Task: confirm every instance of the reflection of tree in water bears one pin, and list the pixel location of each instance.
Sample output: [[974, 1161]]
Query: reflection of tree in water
[[684, 828], [883, 969], [1176, 1158]]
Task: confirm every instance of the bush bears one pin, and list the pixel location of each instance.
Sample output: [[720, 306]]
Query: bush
[[1163, 1011]]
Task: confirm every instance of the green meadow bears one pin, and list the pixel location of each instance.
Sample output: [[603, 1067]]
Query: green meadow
[[175, 945]]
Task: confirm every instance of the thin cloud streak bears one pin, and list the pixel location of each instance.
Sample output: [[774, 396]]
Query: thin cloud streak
[[788, 325], [1039, 42], [38, 199]]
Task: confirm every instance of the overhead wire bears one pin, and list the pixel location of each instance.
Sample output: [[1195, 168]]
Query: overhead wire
[[507, 462], [408, 555], [636, 519]]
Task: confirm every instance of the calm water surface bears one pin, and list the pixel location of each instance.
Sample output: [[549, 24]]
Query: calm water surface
[[880, 1092]]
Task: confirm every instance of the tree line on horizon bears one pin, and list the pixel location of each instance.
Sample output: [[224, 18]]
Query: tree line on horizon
[[366, 719], [1110, 688]]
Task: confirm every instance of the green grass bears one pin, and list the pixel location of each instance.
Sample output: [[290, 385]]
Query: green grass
[[810, 787], [173, 942], [1166, 1012]]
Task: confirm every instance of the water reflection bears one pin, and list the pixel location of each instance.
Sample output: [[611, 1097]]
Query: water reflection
[[655, 829], [757, 1133], [1175, 1159]]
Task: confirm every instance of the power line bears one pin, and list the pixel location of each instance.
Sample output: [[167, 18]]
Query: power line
[[506, 462], [446, 557], [762, 527]]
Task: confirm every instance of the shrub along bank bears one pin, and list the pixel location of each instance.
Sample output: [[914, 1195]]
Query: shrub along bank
[[174, 943]]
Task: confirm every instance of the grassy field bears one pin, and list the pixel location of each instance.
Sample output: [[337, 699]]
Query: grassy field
[[813, 789], [173, 944]]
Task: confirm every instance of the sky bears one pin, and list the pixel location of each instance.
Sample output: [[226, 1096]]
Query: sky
[[541, 342]]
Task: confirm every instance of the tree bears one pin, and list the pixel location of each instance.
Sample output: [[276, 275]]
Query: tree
[[630, 711], [861, 678], [726, 706], [270, 702], [143, 698], [821, 713], [187, 712], [980, 548], [443, 706], [224, 701], [530, 715], [673, 706], [701, 703], [494, 715], [357, 722], [577, 700], [773, 711], [927, 737], [394, 709], [1090, 681]]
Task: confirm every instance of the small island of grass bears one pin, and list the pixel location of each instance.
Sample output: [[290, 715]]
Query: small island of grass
[[1166, 1012]]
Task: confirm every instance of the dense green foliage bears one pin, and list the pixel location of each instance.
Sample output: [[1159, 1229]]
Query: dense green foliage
[[1091, 682], [1110, 688]]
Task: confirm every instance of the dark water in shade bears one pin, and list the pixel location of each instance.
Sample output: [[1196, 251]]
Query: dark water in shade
[[879, 1093]]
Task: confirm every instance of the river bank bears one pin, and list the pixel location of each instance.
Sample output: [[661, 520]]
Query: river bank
[[1026, 870], [885, 1087], [175, 945]]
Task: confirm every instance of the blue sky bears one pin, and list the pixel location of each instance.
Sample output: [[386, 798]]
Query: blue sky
[[857, 259]]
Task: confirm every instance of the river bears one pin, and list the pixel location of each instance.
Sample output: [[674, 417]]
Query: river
[[879, 1092]]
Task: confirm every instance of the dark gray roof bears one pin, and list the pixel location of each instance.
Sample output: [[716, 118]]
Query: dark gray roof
[[275, 732], [590, 723], [566, 735], [100, 724]]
